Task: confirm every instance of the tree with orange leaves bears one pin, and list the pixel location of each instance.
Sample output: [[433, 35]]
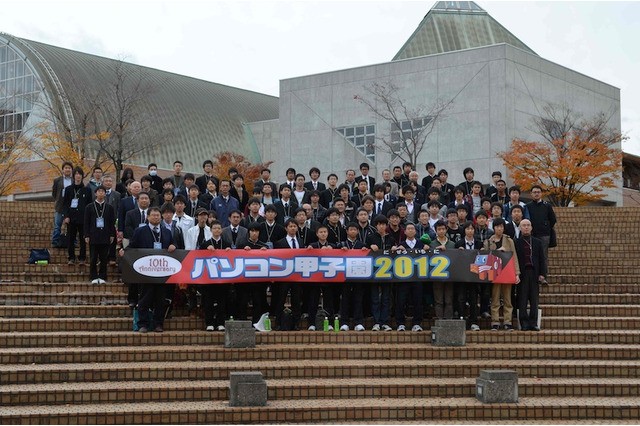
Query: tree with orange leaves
[[223, 161], [574, 160], [12, 180]]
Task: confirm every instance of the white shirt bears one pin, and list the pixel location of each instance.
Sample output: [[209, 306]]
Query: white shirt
[[191, 237], [290, 239], [411, 243], [185, 223]]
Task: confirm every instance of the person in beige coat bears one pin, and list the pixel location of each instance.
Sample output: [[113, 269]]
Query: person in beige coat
[[501, 241]]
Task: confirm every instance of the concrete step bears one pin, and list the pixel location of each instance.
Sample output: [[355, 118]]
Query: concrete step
[[309, 352], [302, 389], [589, 288], [208, 370], [64, 287], [594, 268], [594, 279]]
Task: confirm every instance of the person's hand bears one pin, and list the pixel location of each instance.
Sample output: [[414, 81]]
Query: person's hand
[[86, 240], [517, 279], [67, 220], [111, 240], [247, 248], [374, 247], [541, 278], [441, 248], [345, 248], [121, 252], [211, 248], [171, 248]]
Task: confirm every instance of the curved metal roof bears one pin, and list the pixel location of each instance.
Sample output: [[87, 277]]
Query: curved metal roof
[[201, 117], [456, 25]]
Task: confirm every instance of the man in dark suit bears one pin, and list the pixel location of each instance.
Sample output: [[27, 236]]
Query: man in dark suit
[[270, 231], [100, 232], [352, 291], [135, 218], [314, 183], [112, 198], [193, 201], [286, 206], [533, 269], [381, 205], [468, 292], [126, 204], [57, 192], [364, 169], [201, 181], [152, 236], [290, 241], [235, 235]]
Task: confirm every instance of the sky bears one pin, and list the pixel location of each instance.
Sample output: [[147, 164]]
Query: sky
[[253, 45]]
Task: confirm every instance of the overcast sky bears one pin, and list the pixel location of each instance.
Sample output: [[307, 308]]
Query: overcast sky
[[252, 45]]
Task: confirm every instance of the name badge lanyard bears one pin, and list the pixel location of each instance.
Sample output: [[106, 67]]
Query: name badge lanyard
[[336, 232], [157, 243], [74, 202], [99, 216], [270, 233], [303, 237]]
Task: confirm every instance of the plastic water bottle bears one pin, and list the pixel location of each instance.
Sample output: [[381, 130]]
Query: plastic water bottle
[[336, 325], [231, 318], [326, 324], [267, 324]]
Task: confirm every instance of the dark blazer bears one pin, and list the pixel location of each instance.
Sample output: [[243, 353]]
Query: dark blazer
[[282, 243], [247, 220], [358, 245], [222, 244], [477, 244], [202, 181], [99, 235], [176, 232], [245, 197], [126, 204], [76, 215], [143, 237], [376, 239], [156, 183], [190, 211], [133, 219], [114, 199], [317, 245], [277, 233], [537, 255], [372, 181], [419, 245], [327, 196], [241, 239], [309, 186], [386, 206], [543, 218], [282, 212], [307, 235]]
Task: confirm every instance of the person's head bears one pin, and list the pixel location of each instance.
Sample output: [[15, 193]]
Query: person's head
[[291, 174], [265, 174], [386, 175], [292, 227], [410, 231], [101, 193], [525, 227], [238, 180], [254, 205], [167, 183], [462, 212], [127, 174], [180, 202], [97, 173], [189, 178], [380, 222], [452, 216], [440, 228], [378, 191], [216, 229], [433, 193], [497, 209], [469, 229], [393, 218], [443, 175], [135, 188], [407, 167], [481, 218], [152, 169], [314, 196], [350, 175], [498, 227], [485, 203], [514, 194], [352, 230], [167, 211], [235, 217], [436, 183], [343, 191], [536, 192], [107, 181], [340, 204], [154, 216], [304, 213], [78, 175], [332, 179], [413, 176], [423, 217], [364, 169], [207, 167], [225, 186], [368, 203], [408, 193], [501, 186], [270, 213], [167, 195], [333, 215], [145, 181], [177, 167], [434, 208], [201, 217], [314, 173], [496, 176], [403, 211], [254, 231], [362, 215], [299, 181], [362, 186], [517, 213], [397, 172], [476, 187], [144, 200], [285, 193], [468, 174], [232, 172], [267, 190], [194, 191], [67, 168], [322, 233], [431, 168], [458, 193], [212, 216], [211, 186]]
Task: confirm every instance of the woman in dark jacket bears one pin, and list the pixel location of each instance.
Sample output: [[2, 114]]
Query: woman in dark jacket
[[76, 198], [122, 186]]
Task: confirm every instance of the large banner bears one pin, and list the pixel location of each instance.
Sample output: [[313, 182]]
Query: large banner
[[305, 265]]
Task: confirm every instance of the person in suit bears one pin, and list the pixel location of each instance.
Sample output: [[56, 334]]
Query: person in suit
[[168, 210], [291, 180], [410, 290], [265, 178], [350, 182], [327, 196], [238, 191], [352, 291], [446, 188], [286, 206], [314, 289], [57, 192], [224, 203], [253, 214], [314, 184], [152, 296], [337, 232], [127, 204], [235, 235], [135, 218], [413, 206], [364, 170], [76, 197], [270, 231], [381, 291], [112, 198], [193, 202], [210, 193], [156, 181], [177, 178], [359, 196], [290, 241], [100, 233], [533, 269], [386, 178], [257, 291], [202, 181], [431, 173], [542, 218], [381, 206], [306, 227], [468, 292], [215, 293]]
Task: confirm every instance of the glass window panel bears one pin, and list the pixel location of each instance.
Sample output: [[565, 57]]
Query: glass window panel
[[11, 55], [19, 68], [349, 131], [341, 131], [406, 125], [360, 141], [371, 140], [3, 53], [371, 130], [3, 72], [360, 130]]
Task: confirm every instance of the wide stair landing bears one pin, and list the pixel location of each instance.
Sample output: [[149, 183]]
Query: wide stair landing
[[67, 354]]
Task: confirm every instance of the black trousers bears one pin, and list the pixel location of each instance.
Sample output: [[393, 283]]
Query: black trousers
[[212, 294], [468, 292], [101, 252], [529, 292], [152, 296], [352, 302], [250, 291], [72, 230], [404, 289], [314, 298], [296, 301]]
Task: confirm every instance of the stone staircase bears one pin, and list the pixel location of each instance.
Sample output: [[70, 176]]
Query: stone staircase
[[67, 354]]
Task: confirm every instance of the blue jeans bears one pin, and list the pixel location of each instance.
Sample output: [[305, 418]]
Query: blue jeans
[[380, 300], [57, 228]]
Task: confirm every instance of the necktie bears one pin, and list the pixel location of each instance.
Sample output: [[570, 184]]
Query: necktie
[[156, 233], [379, 208], [469, 246], [143, 215], [291, 185], [293, 243], [200, 237], [234, 234], [315, 185]]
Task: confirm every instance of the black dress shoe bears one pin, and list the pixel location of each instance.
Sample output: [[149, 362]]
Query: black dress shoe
[[158, 329], [536, 328], [143, 330]]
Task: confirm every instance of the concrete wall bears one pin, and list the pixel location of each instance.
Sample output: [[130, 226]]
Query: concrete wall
[[496, 92]]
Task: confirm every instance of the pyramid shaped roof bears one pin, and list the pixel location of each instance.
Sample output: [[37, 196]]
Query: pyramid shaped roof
[[456, 25]]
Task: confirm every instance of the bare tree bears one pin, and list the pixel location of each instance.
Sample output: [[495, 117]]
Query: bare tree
[[410, 126]]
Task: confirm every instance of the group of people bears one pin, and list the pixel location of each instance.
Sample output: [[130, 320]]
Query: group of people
[[397, 212]]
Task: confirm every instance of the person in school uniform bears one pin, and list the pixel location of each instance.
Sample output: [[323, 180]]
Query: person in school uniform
[[215, 294], [315, 289], [193, 202], [100, 232], [410, 290], [314, 184], [380, 290], [256, 291], [442, 291], [203, 181], [468, 292], [290, 241], [327, 196], [235, 235], [112, 198], [270, 231], [286, 206], [370, 181], [135, 218], [352, 291], [76, 197]]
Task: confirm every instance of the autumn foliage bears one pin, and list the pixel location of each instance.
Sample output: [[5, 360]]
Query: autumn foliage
[[223, 161], [573, 160], [12, 179]]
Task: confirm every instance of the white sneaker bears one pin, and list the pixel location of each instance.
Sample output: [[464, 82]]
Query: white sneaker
[[386, 328], [475, 327], [359, 327], [210, 328], [346, 328], [402, 328], [96, 281], [330, 328], [416, 328], [101, 281], [221, 328], [312, 328], [376, 327]]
